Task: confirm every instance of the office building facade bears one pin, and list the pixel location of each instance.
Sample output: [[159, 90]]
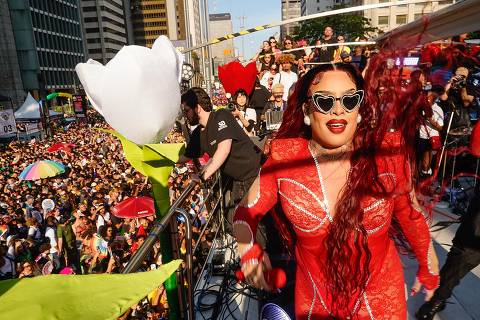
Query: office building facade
[[153, 18], [315, 6], [176, 20], [104, 27], [220, 25], [290, 9], [48, 41], [11, 84], [389, 18]]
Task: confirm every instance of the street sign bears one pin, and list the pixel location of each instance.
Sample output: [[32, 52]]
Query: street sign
[[79, 106], [7, 123]]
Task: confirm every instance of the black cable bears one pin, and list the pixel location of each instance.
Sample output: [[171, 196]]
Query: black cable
[[226, 293]]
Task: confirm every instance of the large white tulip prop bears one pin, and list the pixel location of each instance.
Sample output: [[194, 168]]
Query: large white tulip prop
[[138, 94], [138, 91]]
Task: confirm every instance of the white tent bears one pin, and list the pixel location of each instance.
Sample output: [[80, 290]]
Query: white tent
[[30, 110]]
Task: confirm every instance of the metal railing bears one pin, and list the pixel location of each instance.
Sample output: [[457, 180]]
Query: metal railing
[[215, 200]]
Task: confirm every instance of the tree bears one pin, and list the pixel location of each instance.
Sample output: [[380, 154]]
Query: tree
[[350, 25]]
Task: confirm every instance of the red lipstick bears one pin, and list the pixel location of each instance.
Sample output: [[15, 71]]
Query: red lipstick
[[337, 126]]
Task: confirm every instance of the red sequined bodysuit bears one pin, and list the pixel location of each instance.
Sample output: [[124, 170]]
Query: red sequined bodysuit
[[292, 176]]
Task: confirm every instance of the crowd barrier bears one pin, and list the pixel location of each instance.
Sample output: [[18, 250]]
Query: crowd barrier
[[215, 203]]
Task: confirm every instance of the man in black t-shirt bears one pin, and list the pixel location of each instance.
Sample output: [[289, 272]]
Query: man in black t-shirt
[[457, 99], [326, 53], [220, 136]]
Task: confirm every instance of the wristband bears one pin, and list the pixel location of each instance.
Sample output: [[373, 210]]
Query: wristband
[[254, 253]]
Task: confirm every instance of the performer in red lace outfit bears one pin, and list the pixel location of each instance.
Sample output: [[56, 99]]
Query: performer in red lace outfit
[[340, 190]]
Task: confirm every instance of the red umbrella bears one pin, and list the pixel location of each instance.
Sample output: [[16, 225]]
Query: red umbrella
[[67, 147], [137, 207]]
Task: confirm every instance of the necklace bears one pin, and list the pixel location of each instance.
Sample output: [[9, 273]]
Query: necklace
[[325, 154]]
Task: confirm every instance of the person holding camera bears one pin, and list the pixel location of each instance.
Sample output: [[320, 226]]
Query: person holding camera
[[220, 136], [245, 116], [457, 99]]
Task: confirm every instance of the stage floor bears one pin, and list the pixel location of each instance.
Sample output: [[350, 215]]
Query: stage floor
[[465, 302], [463, 305]]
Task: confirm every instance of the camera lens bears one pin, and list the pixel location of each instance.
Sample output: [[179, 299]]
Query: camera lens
[[231, 106]]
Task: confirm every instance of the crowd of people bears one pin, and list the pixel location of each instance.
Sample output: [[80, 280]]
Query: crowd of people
[[79, 234], [441, 70]]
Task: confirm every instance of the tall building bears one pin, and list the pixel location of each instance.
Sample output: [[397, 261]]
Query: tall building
[[149, 20], [194, 25], [220, 25], [104, 27], [389, 18], [176, 20], [196, 34], [315, 6], [10, 77], [48, 42], [153, 18], [290, 9]]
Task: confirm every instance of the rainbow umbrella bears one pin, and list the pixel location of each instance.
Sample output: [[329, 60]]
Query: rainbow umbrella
[[41, 170]]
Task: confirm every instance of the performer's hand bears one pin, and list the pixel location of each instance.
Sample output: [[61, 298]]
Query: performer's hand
[[417, 286], [254, 274]]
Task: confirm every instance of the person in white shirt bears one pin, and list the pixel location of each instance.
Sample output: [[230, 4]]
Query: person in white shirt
[[103, 217], [34, 229], [270, 74], [286, 77], [245, 116], [429, 134], [51, 235]]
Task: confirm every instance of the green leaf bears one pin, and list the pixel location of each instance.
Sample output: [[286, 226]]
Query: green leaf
[[159, 160], [98, 296]]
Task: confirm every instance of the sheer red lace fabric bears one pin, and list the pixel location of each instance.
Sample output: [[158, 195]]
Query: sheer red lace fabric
[[292, 176]]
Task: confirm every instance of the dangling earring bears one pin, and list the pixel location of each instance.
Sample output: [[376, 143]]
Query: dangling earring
[[306, 120], [359, 118]]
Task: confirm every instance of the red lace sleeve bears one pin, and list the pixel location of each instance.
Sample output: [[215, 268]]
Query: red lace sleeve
[[414, 225], [261, 198]]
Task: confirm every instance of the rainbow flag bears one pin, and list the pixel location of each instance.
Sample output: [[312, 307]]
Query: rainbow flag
[[3, 230], [100, 246]]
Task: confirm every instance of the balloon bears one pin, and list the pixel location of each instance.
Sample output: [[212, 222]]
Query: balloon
[[48, 205], [234, 76], [138, 91]]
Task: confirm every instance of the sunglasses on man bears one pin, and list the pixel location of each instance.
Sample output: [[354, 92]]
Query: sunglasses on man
[[349, 101]]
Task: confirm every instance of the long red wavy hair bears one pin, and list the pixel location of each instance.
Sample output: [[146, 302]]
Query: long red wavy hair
[[348, 255]]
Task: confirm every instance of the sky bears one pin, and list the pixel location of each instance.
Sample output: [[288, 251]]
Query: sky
[[256, 12]]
